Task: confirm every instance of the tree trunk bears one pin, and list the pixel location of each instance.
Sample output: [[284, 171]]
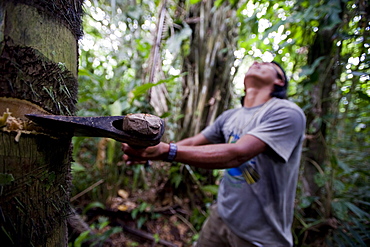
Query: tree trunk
[[38, 68], [320, 99], [316, 159], [207, 86]]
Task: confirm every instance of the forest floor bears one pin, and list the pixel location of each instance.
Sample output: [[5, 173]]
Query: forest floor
[[151, 226], [157, 216]]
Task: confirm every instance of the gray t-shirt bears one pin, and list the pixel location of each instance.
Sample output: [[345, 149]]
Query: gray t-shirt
[[256, 199]]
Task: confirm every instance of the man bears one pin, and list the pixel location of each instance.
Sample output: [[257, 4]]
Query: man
[[259, 145]]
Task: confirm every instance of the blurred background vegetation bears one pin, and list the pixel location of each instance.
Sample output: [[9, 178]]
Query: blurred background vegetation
[[184, 61]]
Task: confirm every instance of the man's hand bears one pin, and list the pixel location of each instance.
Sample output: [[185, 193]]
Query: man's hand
[[141, 155]]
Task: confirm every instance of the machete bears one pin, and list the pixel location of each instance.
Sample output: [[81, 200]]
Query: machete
[[137, 130]]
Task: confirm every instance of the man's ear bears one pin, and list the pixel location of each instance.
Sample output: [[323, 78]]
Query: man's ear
[[279, 82]]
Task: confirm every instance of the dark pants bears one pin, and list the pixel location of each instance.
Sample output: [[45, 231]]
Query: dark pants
[[215, 233]]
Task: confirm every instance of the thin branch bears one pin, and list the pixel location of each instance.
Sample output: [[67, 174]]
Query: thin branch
[[162, 16], [87, 190]]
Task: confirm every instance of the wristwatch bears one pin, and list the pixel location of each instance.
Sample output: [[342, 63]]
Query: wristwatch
[[172, 152]]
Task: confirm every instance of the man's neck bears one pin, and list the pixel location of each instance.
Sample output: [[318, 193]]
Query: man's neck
[[255, 97]]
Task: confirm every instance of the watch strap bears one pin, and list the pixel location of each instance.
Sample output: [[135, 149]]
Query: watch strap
[[172, 152]]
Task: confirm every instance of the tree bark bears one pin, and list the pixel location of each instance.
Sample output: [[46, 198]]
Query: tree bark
[[38, 73]]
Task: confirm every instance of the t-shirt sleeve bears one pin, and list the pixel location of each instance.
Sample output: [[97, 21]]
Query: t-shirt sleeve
[[213, 132], [281, 130]]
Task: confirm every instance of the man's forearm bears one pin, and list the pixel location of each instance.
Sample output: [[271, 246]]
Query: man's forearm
[[196, 140], [215, 156]]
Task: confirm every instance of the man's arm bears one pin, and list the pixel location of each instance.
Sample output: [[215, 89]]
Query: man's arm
[[213, 156], [196, 140]]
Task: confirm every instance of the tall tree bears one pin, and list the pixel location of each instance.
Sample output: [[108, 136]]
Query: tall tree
[[322, 58], [207, 85], [38, 68]]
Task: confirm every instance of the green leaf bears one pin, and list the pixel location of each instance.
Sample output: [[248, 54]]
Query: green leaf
[[6, 178], [356, 236], [213, 189], [90, 30], [103, 224], [115, 109], [166, 114], [156, 238], [307, 201], [340, 209], [339, 186], [194, 1], [345, 167], [109, 233], [320, 179], [142, 89], [143, 206], [141, 222], [81, 238], [176, 180], [77, 167], [93, 205], [218, 3], [134, 213], [359, 212], [363, 202]]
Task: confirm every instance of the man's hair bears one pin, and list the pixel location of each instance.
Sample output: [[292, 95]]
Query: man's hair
[[280, 91]]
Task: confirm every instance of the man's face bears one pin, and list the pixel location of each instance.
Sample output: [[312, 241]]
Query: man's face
[[265, 72]]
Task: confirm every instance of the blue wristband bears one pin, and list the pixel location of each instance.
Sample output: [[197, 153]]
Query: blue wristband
[[172, 152]]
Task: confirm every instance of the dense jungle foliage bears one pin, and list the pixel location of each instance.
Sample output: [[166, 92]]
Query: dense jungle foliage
[[133, 53]]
